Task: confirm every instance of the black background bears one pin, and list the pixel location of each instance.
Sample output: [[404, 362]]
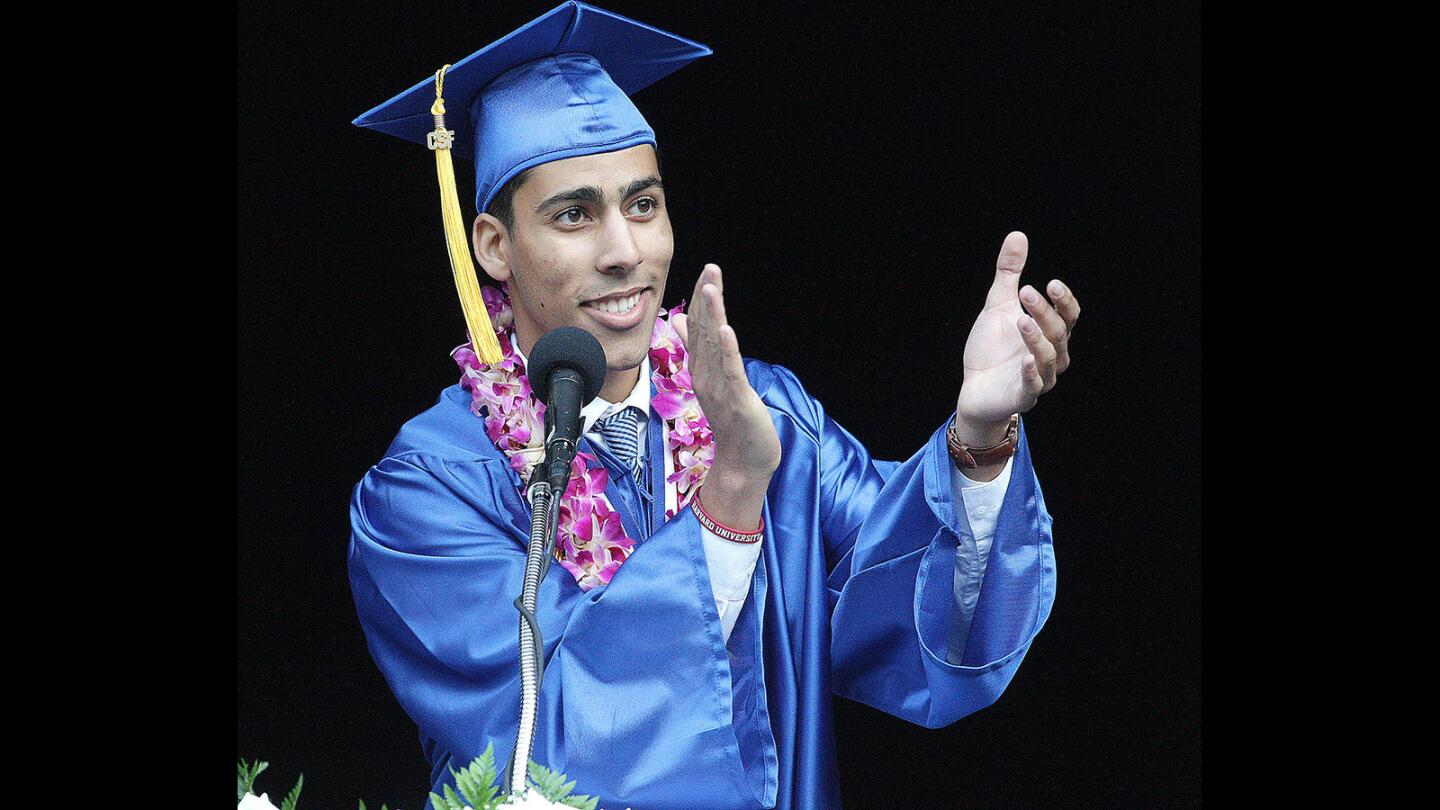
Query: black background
[[854, 169]]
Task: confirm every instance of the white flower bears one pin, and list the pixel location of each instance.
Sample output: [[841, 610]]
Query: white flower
[[253, 802]]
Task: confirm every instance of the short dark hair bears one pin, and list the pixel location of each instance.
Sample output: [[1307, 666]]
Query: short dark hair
[[502, 205]]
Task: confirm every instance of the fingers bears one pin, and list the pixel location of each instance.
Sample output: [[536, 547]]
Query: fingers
[[1051, 324], [1042, 351], [1030, 376], [1066, 302], [678, 321], [714, 306], [734, 366], [1007, 268], [709, 275], [1054, 322], [715, 277], [697, 303], [721, 345], [700, 307], [698, 324], [706, 320], [712, 344]]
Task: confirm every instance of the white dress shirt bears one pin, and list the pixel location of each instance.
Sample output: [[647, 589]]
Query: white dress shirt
[[732, 565]]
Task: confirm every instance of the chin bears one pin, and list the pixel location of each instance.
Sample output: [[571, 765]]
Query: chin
[[629, 353]]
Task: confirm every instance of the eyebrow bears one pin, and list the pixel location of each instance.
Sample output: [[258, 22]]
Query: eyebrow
[[595, 196]]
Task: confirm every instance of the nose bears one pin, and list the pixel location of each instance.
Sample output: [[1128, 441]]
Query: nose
[[619, 252]]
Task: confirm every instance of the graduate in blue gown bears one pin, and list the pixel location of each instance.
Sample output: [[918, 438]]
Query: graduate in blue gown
[[648, 699]]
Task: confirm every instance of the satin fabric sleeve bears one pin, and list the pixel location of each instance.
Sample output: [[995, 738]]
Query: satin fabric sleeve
[[641, 702], [891, 532], [732, 565]]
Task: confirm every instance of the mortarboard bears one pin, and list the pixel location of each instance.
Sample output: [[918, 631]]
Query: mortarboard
[[554, 88]]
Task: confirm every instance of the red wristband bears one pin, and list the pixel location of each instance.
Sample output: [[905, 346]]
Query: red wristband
[[721, 530]]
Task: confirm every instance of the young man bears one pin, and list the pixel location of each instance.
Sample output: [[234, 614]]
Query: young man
[[729, 555]]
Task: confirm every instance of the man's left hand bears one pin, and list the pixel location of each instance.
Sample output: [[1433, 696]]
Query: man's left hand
[[1012, 357]]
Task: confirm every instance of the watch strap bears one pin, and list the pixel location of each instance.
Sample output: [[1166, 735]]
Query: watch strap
[[971, 457]]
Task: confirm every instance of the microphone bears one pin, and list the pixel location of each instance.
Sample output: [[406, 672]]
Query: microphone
[[566, 370]]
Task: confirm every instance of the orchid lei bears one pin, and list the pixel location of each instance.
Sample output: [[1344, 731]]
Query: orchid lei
[[591, 542]]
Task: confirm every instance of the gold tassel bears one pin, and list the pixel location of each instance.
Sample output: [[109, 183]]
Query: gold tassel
[[477, 320]]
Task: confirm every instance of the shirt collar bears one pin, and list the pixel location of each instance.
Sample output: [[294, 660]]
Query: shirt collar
[[599, 408]]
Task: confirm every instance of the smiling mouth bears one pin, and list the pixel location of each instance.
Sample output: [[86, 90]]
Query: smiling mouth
[[617, 304]]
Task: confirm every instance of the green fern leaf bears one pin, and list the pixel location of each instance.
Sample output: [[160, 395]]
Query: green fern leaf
[[479, 791], [442, 803], [465, 780], [246, 779], [582, 802], [487, 760], [293, 796], [541, 779], [551, 784], [485, 769], [477, 781]]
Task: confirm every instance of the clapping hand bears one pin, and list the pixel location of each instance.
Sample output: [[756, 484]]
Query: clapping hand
[[1012, 357], [747, 449]]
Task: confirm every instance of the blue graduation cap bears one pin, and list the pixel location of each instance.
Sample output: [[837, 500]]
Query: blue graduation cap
[[557, 87]]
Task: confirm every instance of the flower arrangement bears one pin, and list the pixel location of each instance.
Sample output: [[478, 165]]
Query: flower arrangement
[[247, 798], [478, 791]]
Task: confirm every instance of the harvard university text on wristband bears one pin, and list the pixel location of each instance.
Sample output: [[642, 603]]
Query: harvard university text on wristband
[[721, 530]]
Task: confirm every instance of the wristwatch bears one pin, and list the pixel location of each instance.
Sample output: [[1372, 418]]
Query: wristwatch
[[971, 457]]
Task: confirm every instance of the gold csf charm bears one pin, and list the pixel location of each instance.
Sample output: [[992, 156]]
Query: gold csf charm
[[440, 139]]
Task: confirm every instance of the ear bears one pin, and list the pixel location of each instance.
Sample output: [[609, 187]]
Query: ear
[[492, 247]]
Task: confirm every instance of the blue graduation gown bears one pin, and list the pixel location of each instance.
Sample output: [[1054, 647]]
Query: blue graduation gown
[[642, 701]]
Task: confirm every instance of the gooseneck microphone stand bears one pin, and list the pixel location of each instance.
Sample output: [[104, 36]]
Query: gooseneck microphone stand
[[567, 369], [544, 508], [544, 498]]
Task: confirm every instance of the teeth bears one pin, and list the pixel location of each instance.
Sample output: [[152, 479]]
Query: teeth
[[618, 306]]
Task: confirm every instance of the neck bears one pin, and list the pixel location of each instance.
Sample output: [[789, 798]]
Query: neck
[[619, 384]]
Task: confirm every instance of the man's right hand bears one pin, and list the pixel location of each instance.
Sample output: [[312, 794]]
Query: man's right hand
[[747, 449]]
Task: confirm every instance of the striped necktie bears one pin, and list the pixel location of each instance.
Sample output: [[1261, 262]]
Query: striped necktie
[[620, 431]]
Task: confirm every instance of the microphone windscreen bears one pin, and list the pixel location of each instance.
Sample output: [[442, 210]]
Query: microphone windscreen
[[567, 347]]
